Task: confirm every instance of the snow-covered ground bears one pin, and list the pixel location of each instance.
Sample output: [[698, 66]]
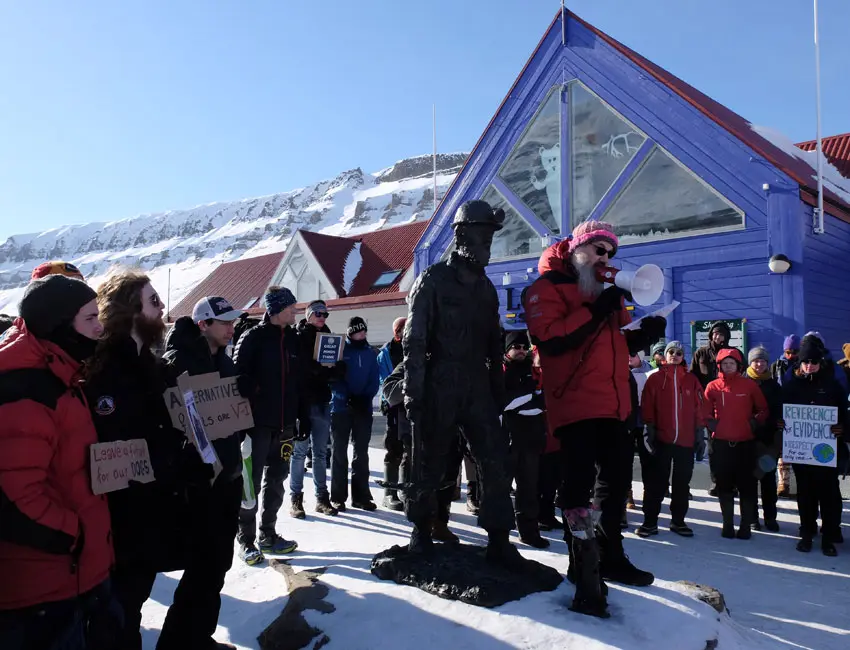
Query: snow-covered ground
[[777, 597]]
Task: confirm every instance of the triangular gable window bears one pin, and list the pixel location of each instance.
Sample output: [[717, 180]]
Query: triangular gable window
[[516, 237], [602, 144], [532, 171], [664, 199]]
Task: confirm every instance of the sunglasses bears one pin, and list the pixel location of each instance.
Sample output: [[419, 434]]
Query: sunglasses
[[519, 346], [811, 362], [321, 314], [601, 250], [676, 353]]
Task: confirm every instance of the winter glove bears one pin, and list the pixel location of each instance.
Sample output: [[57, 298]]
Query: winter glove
[[701, 442], [653, 328], [360, 403], [837, 430], [649, 436], [607, 303], [780, 426], [192, 468], [302, 431]]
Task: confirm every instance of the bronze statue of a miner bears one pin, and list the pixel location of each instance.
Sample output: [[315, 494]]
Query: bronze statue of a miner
[[453, 378]]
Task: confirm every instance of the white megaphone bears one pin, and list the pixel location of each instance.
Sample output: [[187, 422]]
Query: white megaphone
[[646, 284]]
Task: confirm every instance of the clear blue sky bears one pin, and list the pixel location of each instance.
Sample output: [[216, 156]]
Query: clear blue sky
[[114, 108]]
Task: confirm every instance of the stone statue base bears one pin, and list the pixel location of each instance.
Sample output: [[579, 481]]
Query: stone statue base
[[460, 572]]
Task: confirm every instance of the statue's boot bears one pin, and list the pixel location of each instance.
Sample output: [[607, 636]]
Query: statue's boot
[[501, 551], [420, 539]]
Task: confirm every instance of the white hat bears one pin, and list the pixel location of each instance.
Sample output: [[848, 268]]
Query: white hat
[[216, 308]]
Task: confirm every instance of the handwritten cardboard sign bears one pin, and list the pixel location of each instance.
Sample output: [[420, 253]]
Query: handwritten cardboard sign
[[807, 438], [219, 404], [115, 464], [328, 348]]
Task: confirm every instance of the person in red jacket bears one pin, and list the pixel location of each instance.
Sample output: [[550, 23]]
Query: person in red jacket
[[55, 540], [736, 409], [576, 324], [674, 419]]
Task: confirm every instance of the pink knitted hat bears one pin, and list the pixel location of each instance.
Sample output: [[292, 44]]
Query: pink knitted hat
[[591, 231]]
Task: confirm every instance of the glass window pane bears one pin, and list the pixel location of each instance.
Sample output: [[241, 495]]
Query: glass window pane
[[516, 237], [307, 288], [602, 145], [533, 169], [297, 262], [289, 279], [664, 199]]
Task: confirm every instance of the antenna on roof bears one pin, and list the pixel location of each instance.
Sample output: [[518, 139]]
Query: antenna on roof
[[434, 125], [818, 220], [168, 299], [564, 24]]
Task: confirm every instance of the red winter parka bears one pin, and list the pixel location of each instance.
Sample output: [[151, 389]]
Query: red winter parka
[[585, 361], [737, 403], [672, 400], [55, 539]]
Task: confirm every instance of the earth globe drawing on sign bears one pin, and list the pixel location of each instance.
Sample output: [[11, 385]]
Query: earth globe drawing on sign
[[823, 453]]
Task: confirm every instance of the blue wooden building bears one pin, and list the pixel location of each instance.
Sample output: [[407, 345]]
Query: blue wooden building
[[591, 129]]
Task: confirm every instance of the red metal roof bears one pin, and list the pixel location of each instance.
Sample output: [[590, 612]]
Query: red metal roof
[[389, 249], [836, 148], [354, 302], [237, 282], [797, 169]]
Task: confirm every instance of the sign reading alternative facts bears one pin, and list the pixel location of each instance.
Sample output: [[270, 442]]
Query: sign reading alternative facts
[[222, 410], [807, 438], [328, 348], [115, 464]]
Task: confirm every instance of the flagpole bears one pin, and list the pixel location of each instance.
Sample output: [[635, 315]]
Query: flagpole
[[818, 229], [434, 128]]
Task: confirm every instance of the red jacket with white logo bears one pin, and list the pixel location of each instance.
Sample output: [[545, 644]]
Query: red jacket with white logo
[[55, 539], [672, 400], [585, 361], [734, 401]]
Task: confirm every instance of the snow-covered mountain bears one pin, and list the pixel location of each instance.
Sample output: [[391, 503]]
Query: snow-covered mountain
[[190, 243]]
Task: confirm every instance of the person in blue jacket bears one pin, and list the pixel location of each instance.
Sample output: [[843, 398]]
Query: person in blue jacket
[[351, 419], [395, 444]]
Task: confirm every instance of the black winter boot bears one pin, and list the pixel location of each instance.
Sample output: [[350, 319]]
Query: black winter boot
[[748, 507], [571, 570], [391, 500], [727, 510], [615, 565], [472, 502], [589, 598]]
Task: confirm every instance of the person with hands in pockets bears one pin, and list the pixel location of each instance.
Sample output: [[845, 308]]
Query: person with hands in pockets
[[674, 426], [736, 410], [351, 419]]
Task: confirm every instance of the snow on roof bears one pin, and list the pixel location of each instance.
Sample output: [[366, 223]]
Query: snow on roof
[[832, 178]]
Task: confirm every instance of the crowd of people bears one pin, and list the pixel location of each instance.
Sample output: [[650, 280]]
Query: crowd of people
[[578, 397]]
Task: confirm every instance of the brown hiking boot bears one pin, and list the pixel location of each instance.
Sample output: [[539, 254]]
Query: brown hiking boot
[[297, 508], [324, 507]]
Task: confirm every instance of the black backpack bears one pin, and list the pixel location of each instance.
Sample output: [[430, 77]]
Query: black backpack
[[244, 323]]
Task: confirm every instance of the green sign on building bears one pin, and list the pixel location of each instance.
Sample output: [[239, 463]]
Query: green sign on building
[[737, 327]]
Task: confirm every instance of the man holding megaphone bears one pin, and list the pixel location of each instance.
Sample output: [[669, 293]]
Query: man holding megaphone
[[576, 324]]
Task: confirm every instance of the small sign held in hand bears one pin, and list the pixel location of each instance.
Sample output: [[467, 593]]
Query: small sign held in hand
[[115, 464]]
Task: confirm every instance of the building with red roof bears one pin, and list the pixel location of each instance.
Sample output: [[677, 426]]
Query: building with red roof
[[593, 130], [367, 275]]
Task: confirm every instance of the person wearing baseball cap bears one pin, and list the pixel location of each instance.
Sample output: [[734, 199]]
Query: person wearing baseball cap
[[57, 268], [198, 345]]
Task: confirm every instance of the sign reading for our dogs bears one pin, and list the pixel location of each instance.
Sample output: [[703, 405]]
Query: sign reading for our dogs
[[807, 438], [115, 464], [217, 401]]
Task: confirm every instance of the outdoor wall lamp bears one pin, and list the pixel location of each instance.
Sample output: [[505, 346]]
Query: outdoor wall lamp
[[779, 264]]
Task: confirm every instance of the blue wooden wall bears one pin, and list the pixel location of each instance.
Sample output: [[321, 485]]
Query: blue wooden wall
[[826, 280], [723, 275]]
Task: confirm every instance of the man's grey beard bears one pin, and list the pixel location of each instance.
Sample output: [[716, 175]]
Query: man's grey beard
[[588, 283]]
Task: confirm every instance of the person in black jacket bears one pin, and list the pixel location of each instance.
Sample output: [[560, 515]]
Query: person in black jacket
[[768, 439], [315, 419], [267, 359], [151, 522], [524, 421], [197, 346], [817, 486]]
